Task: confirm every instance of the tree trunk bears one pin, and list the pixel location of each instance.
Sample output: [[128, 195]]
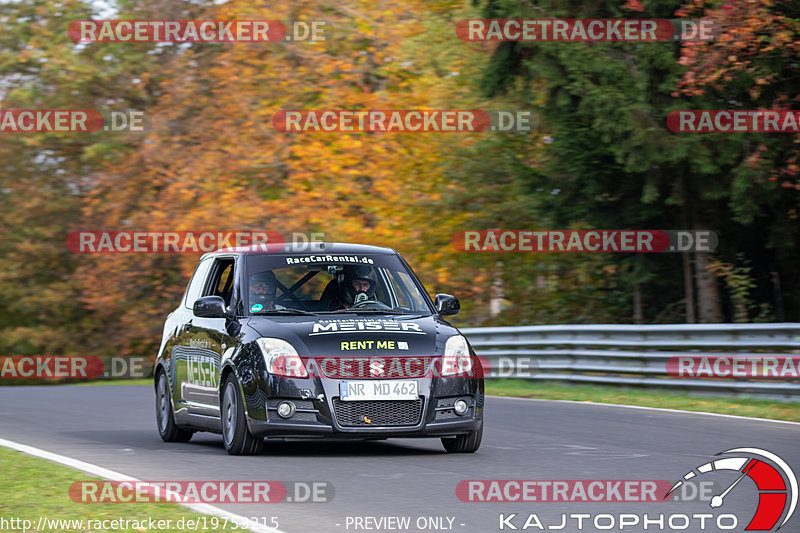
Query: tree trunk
[[638, 315], [707, 290], [688, 282], [776, 287], [497, 295], [688, 288]]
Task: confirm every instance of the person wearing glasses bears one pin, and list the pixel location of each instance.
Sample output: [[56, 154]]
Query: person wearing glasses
[[262, 290]]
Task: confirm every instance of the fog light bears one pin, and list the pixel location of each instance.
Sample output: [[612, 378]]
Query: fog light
[[460, 407], [286, 409]]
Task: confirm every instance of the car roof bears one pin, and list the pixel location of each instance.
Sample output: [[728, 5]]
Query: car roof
[[301, 248]]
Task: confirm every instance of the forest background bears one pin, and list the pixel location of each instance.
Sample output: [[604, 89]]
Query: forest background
[[599, 157]]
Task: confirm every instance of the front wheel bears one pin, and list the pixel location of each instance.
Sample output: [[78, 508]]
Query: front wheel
[[468, 443], [169, 431], [235, 434]]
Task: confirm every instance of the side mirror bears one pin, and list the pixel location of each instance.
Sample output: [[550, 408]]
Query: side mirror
[[447, 304], [210, 307]]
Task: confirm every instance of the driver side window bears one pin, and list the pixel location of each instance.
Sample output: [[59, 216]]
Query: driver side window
[[195, 288], [221, 281]]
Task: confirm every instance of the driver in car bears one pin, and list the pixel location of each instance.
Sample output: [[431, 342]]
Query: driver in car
[[262, 290], [356, 285]]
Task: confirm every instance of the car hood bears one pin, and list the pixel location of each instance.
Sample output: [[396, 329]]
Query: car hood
[[348, 335]]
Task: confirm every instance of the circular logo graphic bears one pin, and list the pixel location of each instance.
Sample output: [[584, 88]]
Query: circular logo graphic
[[777, 487], [256, 308]]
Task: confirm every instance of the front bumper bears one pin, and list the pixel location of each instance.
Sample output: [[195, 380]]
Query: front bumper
[[277, 429], [320, 413]]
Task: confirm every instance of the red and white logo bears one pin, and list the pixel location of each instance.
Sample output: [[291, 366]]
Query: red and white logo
[[176, 31], [629, 240], [735, 366], [775, 481], [734, 120], [50, 120], [157, 242]]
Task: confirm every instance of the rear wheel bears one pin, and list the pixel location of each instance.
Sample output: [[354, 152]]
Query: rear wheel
[[468, 443], [165, 419], [237, 438]]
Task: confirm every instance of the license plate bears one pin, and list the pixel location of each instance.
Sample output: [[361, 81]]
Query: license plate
[[380, 389]]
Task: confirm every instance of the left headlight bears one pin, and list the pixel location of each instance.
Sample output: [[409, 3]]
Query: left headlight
[[282, 358], [456, 356]]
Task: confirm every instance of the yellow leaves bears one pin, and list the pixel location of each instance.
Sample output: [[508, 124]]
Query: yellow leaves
[[213, 161]]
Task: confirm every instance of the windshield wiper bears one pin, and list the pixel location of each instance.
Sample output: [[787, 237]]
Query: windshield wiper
[[284, 312], [392, 312], [379, 311]]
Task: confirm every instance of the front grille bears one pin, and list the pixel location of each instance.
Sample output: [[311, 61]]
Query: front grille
[[378, 412]]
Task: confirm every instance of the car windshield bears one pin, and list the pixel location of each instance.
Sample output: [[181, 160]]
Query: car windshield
[[286, 285]]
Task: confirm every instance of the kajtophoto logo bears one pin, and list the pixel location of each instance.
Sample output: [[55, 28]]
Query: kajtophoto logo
[[774, 498], [775, 481]]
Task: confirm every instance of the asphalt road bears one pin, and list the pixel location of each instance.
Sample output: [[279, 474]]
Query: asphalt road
[[114, 427]]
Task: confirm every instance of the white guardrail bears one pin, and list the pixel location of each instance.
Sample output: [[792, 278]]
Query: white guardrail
[[633, 355]]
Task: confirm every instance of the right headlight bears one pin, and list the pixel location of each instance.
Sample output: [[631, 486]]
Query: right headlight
[[456, 358], [282, 358]]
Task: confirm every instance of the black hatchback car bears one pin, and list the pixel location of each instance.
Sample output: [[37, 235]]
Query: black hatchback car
[[326, 340]]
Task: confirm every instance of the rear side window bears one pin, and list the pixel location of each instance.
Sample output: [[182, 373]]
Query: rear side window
[[197, 283]]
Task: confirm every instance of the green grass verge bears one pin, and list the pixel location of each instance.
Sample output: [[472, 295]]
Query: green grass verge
[[646, 398], [34, 488]]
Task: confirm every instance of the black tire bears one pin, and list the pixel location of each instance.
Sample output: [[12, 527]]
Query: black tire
[[235, 434], [165, 418], [468, 443]]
